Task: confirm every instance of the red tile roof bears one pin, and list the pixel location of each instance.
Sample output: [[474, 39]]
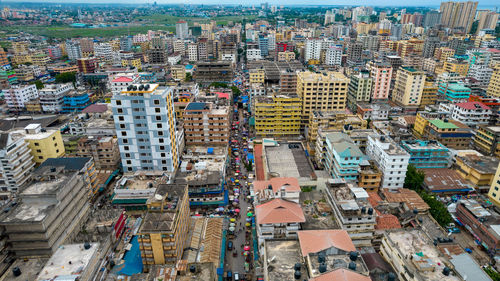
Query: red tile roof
[[279, 211], [472, 105], [387, 221], [341, 274], [259, 163], [313, 241], [96, 108], [123, 79], [291, 184], [374, 199], [408, 196]]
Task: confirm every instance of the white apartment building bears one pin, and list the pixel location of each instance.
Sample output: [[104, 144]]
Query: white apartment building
[[192, 52], [180, 47], [254, 54], [145, 126], [52, 96], [391, 159], [313, 49], [174, 58], [16, 162], [471, 113], [481, 73], [333, 56], [278, 218], [73, 49], [104, 51], [121, 81], [17, 96]]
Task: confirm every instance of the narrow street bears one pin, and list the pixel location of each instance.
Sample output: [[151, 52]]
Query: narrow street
[[242, 251]]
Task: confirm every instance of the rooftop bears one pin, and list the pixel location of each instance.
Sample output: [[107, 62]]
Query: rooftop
[[290, 184], [282, 255], [473, 105], [341, 274], [416, 145], [68, 260], [442, 124], [483, 164], [407, 196], [198, 106], [288, 160], [279, 211], [314, 241], [442, 180], [420, 255]]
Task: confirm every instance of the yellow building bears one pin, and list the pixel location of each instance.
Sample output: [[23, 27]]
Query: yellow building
[[277, 115], [134, 62], [370, 177], [429, 94], [331, 121], [21, 58], [459, 66], [487, 140], [442, 54], [479, 170], [494, 86], [19, 47], [164, 229], [33, 106], [410, 47], [286, 56], [43, 143], [64, 68], [257, 76], [40, 59], [408, 87], [178, 72], [494, 193], [321, 92]]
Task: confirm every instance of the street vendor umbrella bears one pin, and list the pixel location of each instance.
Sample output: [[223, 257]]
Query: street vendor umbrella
[[234, 141], [237, 123], [249, 219], [249, 196], [246, 248], [237, 210], [237, 159], [247, 224], [237, 180], [236, 200], [237, 171], [232, 224], [235, 204], [232, 219], [249, 214], [232, 228], [197, 215], [245, 253]]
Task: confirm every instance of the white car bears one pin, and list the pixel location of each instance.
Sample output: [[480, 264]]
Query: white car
[[236, 276]]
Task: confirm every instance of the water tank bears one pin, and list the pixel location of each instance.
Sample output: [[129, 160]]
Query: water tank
[[353, 255], [446, 271], [297, 274], [391, 277], [86, 245], [415, 211], [382, 138], [363, 210], [370, 211], [322, 268], [270, 187], [146, 87], [16, 271], [192, 268], [297, 266], [111, 264], [321, 258], [352, 266], [135, 88], [141, 87]]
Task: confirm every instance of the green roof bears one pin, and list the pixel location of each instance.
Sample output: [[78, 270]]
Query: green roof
[[440, 124], [458, 87]]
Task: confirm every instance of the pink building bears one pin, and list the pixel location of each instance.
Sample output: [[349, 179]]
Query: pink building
[[382, 75]]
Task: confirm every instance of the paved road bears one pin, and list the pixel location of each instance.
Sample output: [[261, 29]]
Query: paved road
[[236, 264]]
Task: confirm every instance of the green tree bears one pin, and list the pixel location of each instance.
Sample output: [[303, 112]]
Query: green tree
[[66, 77], [339, 17], [373, 18], [189, 77], [414, 178], [218, 85], [473, 27], [39, 84], [236, 91]]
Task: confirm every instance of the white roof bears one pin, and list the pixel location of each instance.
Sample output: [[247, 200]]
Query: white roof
[[359, 193]]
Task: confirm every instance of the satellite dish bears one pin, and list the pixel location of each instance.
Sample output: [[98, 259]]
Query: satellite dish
[[158, 197]]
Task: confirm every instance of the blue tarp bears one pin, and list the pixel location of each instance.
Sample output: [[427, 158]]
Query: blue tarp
[[133, 260], [210, 150], [250, 156]]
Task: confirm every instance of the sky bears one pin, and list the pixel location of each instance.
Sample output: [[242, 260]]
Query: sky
[[430, 3]]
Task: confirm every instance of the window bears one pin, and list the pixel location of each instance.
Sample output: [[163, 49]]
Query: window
[[40, 157], [119, 110], [159, 126], [157, 110], [118, 102], [124, 134], [37, 144], [158, 118], [122, 126], [39, 151], [156, 102], [121, 118]]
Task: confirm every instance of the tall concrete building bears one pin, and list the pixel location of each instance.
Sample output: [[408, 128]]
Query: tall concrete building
[[206, 124], [432, 18], [181, 29], [381, 74], [458, 15], [321, 92], [487, 19], [145, 126], [73, 49], [408, 87], [494, 86], [16, 162], [360, 89], [52, 208]]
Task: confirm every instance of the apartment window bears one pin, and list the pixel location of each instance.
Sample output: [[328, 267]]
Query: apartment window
[[124, 134], [159, 126], [162, 147], [126, 147], [57, 150], [39, 151], [158, 118], [129, 162], [41, 157], [121, 118], [119, 110], [122, 126], [127, 155], [156, 102], [37, 144], [157, 110], [161, 140], [125, 140]]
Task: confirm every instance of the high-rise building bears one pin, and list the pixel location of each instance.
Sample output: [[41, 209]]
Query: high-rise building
[[430, 45], [87, 46], [360, 89], [333, 55], [277, 115], [263, 41], [494, 192], [86, 65], [432, 18], [44, 144], [157, 54], [73, 49], [487, 20], [321, 92], [458, 15], [16, 162], [126, 43], [181, 29], [494, 86], [354, 50], [206, 124], [17, 96], [103, 51], [145, 126], [381, 74], [408, 87]]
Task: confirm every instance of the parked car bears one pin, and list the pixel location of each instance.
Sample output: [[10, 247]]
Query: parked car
[[236, 276], [230, 245]]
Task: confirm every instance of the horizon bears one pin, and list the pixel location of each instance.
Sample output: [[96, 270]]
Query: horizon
[[489, 4]]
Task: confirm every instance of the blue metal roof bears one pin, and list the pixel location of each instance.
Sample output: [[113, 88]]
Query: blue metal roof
[[196, 106], [69, 163]]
